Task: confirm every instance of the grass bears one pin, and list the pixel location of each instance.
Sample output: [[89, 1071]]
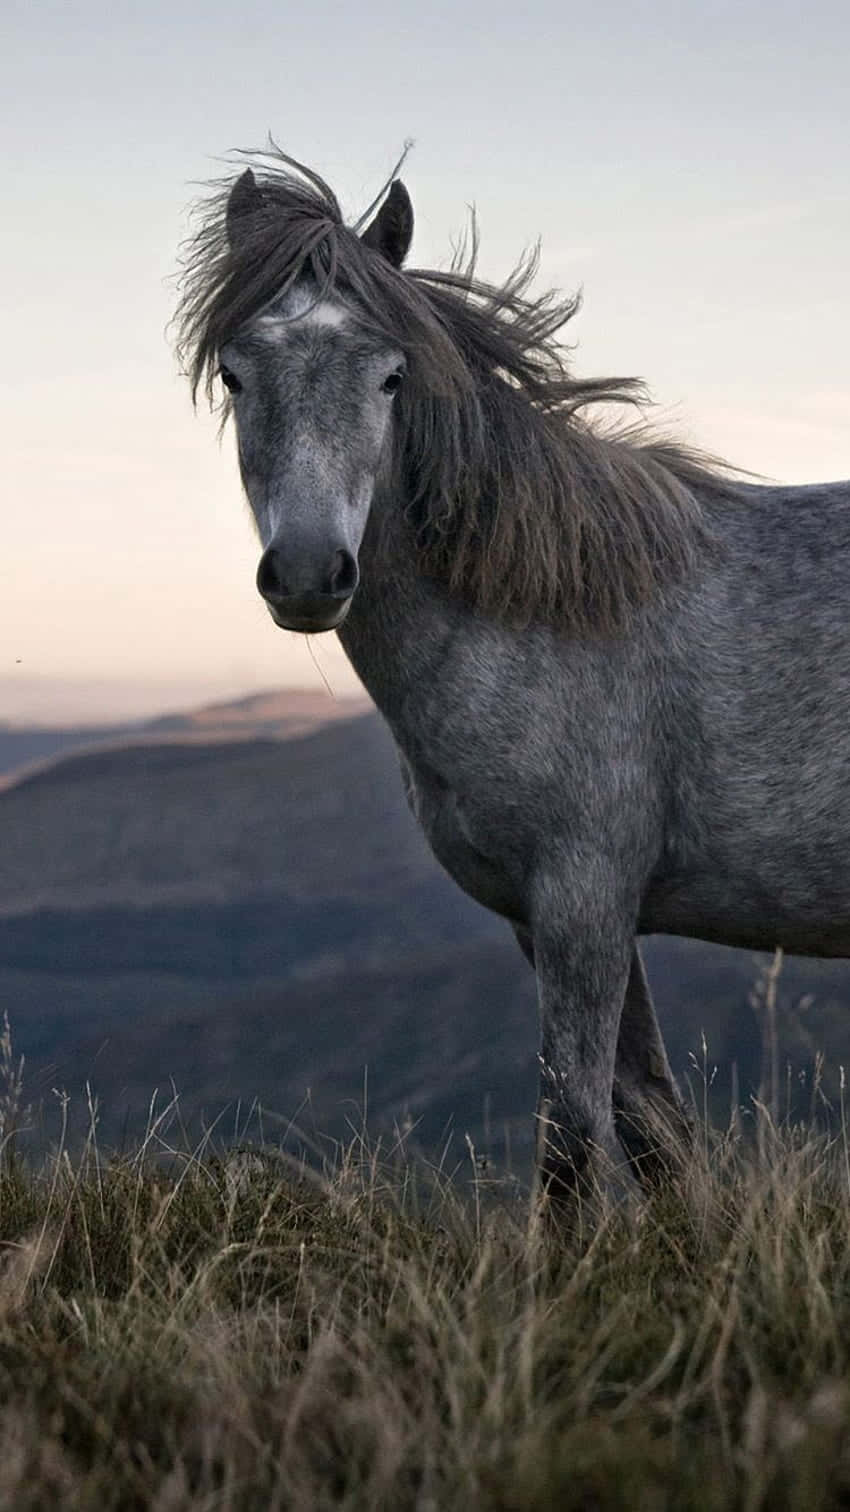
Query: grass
[[192, 1329]]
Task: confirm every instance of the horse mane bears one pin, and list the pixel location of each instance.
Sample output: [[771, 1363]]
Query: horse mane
[[519, 503]]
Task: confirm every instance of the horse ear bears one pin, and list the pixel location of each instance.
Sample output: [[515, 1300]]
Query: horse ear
[[244, 199], [391, 232]]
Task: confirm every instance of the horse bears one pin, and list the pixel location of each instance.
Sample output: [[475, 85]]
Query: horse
[[616, 670]]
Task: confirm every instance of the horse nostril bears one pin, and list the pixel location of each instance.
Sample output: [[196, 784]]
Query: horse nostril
[[278, 578], [270, 580], [342, 579]]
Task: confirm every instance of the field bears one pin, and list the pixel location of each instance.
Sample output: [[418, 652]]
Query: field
[[185, 1328]]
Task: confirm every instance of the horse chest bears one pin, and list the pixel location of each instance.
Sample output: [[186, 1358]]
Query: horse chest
[[474, 849]]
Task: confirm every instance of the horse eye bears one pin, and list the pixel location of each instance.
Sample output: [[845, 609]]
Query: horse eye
[[230, 380], [392, 384]]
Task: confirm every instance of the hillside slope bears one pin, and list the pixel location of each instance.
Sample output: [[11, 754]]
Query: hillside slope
[[280, 714]]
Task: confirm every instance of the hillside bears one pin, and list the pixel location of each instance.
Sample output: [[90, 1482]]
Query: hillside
[[278, 714], [254, 914]]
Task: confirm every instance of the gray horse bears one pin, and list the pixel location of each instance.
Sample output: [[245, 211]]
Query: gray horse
[[618, 676]]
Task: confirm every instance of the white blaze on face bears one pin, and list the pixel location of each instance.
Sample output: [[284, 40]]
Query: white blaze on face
[[300, 311], [329, 314], [316, 480]]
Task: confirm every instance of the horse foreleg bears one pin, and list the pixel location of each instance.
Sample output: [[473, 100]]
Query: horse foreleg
[[650, 1116], [582, 952]]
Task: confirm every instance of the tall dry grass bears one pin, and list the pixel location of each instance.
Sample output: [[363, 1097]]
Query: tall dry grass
[[181, 1328]]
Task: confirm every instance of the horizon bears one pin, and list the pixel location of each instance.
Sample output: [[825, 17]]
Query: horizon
[[687, 169]]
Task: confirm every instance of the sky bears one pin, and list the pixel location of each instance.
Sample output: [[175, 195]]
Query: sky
[[687, 165]]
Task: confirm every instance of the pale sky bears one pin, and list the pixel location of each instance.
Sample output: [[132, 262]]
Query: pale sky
[[687, 164]]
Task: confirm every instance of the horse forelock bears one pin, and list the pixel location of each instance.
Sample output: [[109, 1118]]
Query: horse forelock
[[520, 504]]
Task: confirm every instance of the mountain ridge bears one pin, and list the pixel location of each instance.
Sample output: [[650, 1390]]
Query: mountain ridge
[[280, 713]]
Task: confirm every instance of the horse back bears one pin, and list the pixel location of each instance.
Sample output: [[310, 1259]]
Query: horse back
[[757, 843]]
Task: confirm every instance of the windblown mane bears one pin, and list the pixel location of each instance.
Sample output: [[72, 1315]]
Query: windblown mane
[[520, 504]]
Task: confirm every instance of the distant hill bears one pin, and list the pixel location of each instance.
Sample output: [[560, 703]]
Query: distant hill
[[23, 746], [155, 823], [160, 902], [239, 900], [280, 714]]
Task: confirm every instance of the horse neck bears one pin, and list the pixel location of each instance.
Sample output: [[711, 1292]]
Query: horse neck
[[399, 622]]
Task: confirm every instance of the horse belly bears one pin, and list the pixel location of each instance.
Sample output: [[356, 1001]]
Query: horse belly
[[756, 897]]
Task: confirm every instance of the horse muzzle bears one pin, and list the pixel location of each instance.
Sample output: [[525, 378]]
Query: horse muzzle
[[304, 596]]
